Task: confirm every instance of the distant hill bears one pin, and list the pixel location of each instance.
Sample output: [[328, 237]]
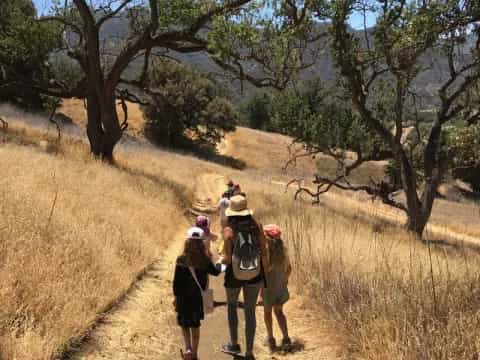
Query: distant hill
[[426, 84]]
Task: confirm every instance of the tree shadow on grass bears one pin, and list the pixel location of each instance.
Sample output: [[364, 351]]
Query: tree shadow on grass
[[210, 153], [202, 150]]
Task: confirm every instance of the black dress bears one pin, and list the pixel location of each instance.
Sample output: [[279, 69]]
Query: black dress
[[188, 295]]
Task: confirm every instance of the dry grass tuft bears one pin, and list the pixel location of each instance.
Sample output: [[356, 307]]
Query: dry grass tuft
[[73, 234], [390, 295]]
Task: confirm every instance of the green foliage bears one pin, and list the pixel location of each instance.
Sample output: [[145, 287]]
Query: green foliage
[[25, 45], [463, 148], [321, 118], [260, 32], [186, 106], [257, 111], [464, 145]]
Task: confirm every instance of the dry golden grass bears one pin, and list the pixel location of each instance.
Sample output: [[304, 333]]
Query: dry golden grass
[[269, 152], [75, 110], [74, 233], [266, 154], [264, 151], [65, 260], [390, 295]]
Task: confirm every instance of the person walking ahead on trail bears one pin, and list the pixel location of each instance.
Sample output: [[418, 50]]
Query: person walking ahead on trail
[[229, 192], [276, 294], [223, 205], [191, 271], [245, 257]]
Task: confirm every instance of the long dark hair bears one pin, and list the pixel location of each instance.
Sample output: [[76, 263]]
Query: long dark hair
[[194, 254]]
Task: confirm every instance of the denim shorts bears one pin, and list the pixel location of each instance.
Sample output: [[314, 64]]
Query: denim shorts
[[277, 297]]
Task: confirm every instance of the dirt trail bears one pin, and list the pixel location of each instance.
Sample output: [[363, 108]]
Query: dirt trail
[[313, 330], [144, 325]]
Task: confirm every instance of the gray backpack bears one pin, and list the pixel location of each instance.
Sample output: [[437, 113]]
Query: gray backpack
[[246, 257]]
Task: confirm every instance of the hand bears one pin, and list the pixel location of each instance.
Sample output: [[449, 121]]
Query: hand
[[220, 267]]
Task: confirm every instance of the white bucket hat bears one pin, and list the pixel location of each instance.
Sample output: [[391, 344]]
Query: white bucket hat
[[195, 233]]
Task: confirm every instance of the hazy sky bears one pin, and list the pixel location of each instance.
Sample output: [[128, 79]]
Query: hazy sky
[[356, 20]]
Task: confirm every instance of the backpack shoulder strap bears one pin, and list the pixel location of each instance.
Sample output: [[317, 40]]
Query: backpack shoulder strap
[[192, 271]]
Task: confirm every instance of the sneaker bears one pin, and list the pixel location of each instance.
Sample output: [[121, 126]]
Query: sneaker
[[286, 342], [187, 355], [271, 343], [229, 348]]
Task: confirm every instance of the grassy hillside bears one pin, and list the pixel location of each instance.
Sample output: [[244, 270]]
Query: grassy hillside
[[74, 234], [266, 154]]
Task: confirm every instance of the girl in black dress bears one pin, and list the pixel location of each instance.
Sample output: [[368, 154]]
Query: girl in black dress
[[188, 298]]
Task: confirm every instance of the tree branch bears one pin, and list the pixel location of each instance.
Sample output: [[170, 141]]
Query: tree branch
[[113, 13], [122, 96], [217, 10]]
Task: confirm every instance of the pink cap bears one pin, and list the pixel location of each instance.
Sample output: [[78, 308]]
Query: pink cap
[[273, 231], [203, 222]]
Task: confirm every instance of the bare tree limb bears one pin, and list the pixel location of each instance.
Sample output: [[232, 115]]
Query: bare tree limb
[[113, 13], [122, 96]]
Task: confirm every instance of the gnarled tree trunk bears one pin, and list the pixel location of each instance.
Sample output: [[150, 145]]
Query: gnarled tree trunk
[[418, 210], [103, 127]]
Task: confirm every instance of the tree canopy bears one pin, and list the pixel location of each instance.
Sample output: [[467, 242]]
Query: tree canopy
[[25, 46], [231, 32], [381, 118], [186, 106]]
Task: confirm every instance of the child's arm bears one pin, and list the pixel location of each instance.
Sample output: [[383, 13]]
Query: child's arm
[[227, 247]]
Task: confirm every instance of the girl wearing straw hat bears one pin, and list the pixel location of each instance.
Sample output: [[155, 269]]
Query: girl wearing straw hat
[[245, 257]]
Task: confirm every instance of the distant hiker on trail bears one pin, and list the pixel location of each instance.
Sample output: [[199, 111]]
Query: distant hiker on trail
[[246, 258], [229, 192], [189, 284], [276, 294], [222, 206]]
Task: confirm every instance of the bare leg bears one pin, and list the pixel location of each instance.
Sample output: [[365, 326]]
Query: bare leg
[[232, 301], [267, 314], [250, 295], [281, 319], [187, 338], [195, 340]]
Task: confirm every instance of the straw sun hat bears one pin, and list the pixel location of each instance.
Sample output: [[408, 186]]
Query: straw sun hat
[[238, 207]]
